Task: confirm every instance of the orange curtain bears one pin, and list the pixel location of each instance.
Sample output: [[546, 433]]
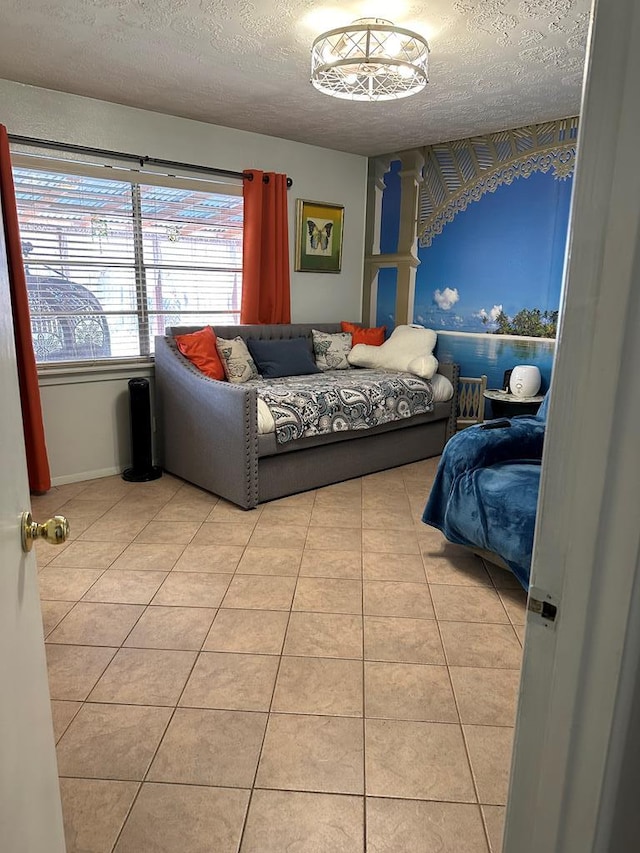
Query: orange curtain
[[265, 271], [37, 462]]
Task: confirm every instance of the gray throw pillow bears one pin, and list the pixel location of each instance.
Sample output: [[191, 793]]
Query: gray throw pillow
[[236, 360], [331, 351]]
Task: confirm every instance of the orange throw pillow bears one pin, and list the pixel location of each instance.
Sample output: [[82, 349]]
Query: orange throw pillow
[[200, 348], [373, 337]]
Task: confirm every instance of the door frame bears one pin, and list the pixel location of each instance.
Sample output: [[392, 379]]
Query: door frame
[[580, 673]]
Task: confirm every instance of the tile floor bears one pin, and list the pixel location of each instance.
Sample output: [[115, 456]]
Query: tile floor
[[322, 674]]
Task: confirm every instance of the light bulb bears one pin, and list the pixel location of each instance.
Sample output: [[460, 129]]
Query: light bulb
[[404, 71], [328, 55], [393, 45]]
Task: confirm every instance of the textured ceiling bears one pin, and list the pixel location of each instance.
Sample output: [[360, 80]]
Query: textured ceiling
[[494, 63]]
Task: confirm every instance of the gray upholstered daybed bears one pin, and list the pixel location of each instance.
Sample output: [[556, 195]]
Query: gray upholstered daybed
[[208, 433]]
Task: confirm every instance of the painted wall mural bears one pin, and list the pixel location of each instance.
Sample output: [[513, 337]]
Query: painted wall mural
[[386, 305], [497, 267], [390, 225], [492, 228], [390, 215], [494, 354]]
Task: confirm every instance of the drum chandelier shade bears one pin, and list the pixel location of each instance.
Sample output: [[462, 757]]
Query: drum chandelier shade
[[369, 60]]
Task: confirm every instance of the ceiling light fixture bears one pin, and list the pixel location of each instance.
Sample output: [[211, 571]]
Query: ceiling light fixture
[[369, 60]]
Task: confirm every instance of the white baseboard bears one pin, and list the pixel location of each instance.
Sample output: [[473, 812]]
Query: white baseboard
[[85, 475]]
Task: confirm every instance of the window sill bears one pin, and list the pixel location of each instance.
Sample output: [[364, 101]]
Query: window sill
[[72, 374]]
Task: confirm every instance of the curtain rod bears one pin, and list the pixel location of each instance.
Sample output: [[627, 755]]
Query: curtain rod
[[142, 160]]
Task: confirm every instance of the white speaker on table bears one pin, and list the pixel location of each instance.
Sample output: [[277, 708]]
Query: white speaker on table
[[525, 380]]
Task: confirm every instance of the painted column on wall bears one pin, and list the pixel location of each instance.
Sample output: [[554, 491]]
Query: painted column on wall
[[375, 227], [385, 307], [390, 272], [492, 227], [410, 180]]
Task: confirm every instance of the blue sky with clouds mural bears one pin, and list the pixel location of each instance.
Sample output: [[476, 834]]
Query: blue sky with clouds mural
[[505, 251]]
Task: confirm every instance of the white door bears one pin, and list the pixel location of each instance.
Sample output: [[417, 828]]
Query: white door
[[30, 813], [580, 673]]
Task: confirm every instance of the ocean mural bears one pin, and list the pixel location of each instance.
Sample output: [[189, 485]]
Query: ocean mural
[[493, 215], [494, 354]]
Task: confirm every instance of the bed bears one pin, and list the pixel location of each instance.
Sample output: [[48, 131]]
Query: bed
[[210, 433]]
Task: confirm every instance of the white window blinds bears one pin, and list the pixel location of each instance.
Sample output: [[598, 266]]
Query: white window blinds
[[110, 263]]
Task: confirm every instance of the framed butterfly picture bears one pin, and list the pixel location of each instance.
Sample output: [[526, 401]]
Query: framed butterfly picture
[[318, 236]]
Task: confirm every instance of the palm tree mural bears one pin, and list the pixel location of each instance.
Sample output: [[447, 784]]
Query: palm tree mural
[[531, 322]]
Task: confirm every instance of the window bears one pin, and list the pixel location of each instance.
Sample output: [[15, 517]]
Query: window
[[110, 263]]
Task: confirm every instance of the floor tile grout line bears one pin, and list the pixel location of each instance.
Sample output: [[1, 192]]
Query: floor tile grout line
[[464, 739], [298, 655], [174, 708], [126, 817], [144, 610], [146, 607], [364, 709], [298, 575], [509, 616], [461, 727], [517, 636], [129, 810], [468, 751], [201, 650], [471, 590], [288, 791], [124, 822], [63, 732], [105, 512], [138, 603], [296, 713], [485, 826], [89, 691], [475, 786], [273, 693], [504, 606], [48, 633], [147, 544], [108, 646]]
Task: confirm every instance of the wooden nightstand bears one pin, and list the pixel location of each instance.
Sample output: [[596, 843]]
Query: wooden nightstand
[[504, 404]]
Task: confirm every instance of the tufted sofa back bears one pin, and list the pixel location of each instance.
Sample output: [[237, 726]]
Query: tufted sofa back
[[278, 332]]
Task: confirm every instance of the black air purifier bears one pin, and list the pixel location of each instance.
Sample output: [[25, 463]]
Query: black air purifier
[[143, 468]]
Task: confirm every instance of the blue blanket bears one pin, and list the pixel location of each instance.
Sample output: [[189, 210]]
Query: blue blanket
[[485, 492]]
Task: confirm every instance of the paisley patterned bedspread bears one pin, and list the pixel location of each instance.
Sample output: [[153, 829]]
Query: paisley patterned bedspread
[[303, 406]]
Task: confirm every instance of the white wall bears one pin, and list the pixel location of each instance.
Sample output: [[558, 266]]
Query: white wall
[[86, 423]]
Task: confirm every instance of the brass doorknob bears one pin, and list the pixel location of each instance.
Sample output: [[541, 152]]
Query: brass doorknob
[[55, 531]]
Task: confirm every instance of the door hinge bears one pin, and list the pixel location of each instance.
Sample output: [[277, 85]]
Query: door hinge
[[543, 607]]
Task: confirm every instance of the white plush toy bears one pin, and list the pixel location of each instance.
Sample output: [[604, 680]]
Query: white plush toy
[[408, 349]]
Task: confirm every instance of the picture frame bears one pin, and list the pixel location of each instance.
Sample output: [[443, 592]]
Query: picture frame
[[319, 234]]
